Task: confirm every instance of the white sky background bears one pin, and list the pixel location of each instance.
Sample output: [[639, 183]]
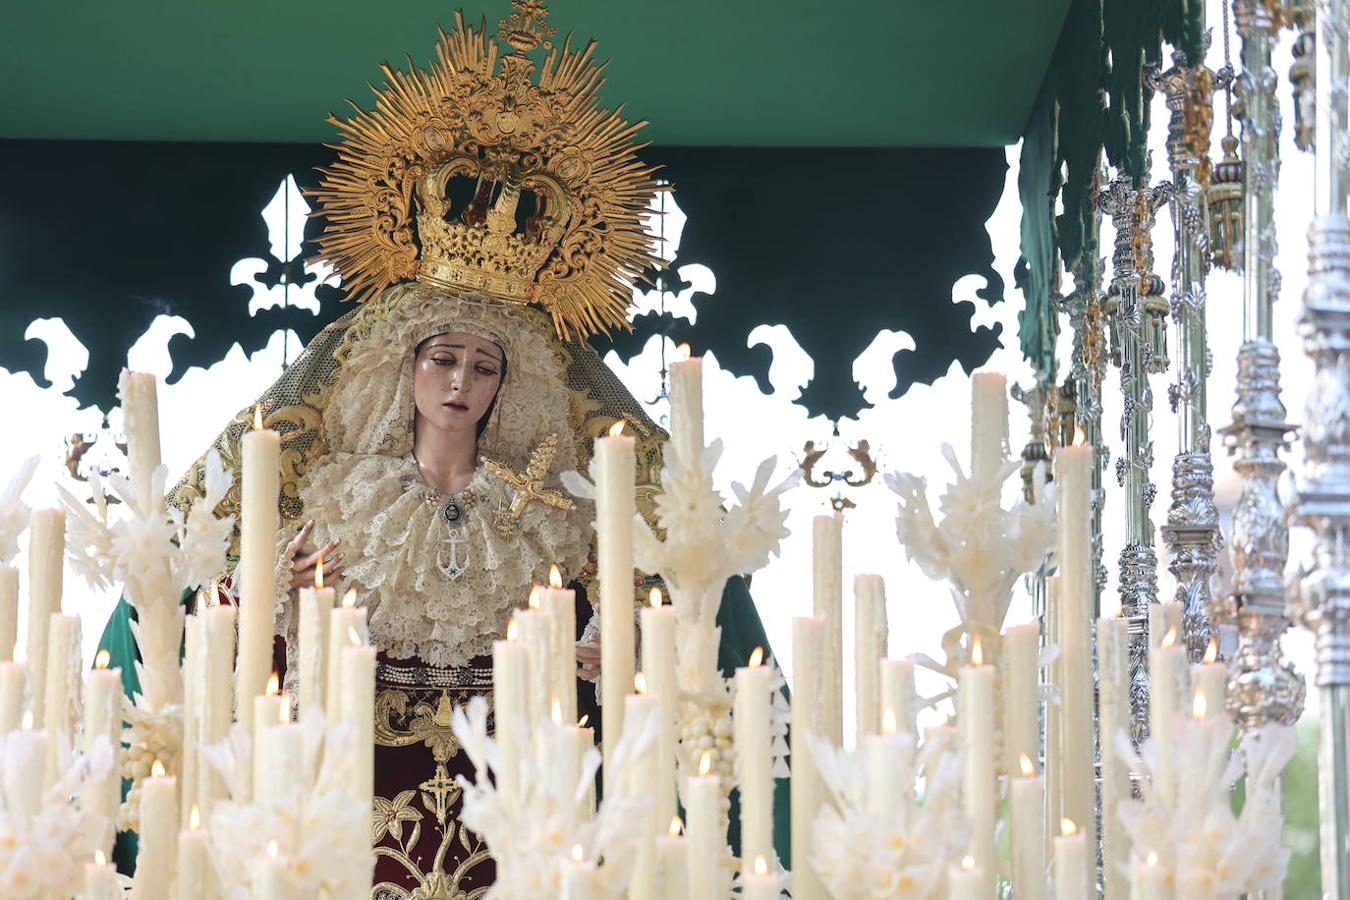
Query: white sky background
[[905, 434]]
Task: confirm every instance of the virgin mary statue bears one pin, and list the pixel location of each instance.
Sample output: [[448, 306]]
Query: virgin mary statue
[[488, 217]]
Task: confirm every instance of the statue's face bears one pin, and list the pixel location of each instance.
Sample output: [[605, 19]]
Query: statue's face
[[455, 378]]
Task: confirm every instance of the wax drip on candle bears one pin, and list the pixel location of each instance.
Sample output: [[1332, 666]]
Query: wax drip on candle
[[968, 863], [578, 853], [655, 598], [1067, 827], [705, 763], [976, 651], [1024, 762], [157, 770], [318, 573], [617, 428], [349, 598], [555, 711], [1211, 652], [756, 657], [534, 602], [27, 720], [676, 827], [640, 683], [1199, 705], [195, 819], [761, 867], [889, 725], [555, 577], [102, 660], [273, 684]]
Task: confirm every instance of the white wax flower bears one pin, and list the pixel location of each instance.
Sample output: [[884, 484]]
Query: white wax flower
[[13, 511]]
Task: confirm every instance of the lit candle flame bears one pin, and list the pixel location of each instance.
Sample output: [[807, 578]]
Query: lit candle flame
[[1199, 705], [1170, 639], [976, 651], [1151, 859], [640, 683], [353, 637], [761, 867], [1067, 828], [1024, 762], [578, 853], [512, 630], [273, 684], [581, 723], [318, 572], [676, 826], [888, 723], [968, 863], [1079, 435], [684, 351], [555, 711], [27, 720], [257, 417], [102, 660], [617, 428], [273, 848], [555, 577], [100, 859], [349, 598], [195, 819], [157, 770], [705, 763], [534, 596], [655, 598], [756, 657], [1211, 652]]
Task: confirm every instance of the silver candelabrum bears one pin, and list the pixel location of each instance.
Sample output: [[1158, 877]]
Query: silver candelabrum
[[1324, 485], [1262, 686], [1137, 313]]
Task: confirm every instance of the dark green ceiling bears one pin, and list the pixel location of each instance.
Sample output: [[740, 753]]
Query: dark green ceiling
[[865, 73]]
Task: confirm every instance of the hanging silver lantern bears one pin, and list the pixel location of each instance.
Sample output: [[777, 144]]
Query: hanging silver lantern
[[1225, 209]]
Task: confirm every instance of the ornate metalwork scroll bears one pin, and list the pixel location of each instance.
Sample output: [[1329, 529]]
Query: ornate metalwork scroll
[[1262, 686], [1324, 488], [1192, 530], [1136, 309]]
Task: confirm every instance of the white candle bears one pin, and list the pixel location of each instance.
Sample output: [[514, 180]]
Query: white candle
[[46, 552], [828, 577], [1027, 817], [12, 678], [658, 664], [284, 763], [1150, 881], [988, 424], [966, 881], [269, 880], [1071, 864], [1054, 720], [1073, 480], [869, 645], [267, 712], [194, 685], [686, 408], [897, 692], [1164, 616], [257, 564], [63, 666], [577, 879], [757, 883], [358, 710], [509, 667], [1210, 678], [1166, 668], [341, 622], [615, 506], [25, 756], [536, 633], [754, 757], [316, 613], [975, 724], [639, 776], [1021, 694], [887, 757], [9, 612], [674, 862], [103, 721], [706, 840], [140, 422], [193, 881], [100, 879], [158, 833], [808, 646], [217, 703], [1113, 643], [562, 605]]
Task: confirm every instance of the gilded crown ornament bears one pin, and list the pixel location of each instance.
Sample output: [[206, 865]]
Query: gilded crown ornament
[[555, 194]]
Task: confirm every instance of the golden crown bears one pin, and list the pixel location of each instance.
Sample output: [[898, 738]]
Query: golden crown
[[556, 198]]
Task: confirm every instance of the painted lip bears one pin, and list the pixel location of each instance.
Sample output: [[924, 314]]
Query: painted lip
[[459, 407]]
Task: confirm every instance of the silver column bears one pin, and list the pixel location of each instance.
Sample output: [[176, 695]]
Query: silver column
[[1324, 486], [1192, 530], [1262, 686], [1135, 305]]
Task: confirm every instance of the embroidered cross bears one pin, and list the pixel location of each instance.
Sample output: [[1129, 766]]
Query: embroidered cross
[[528, 485]]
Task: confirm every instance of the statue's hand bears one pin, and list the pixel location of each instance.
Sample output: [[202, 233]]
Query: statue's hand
[[302, 571], [588, 661]]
